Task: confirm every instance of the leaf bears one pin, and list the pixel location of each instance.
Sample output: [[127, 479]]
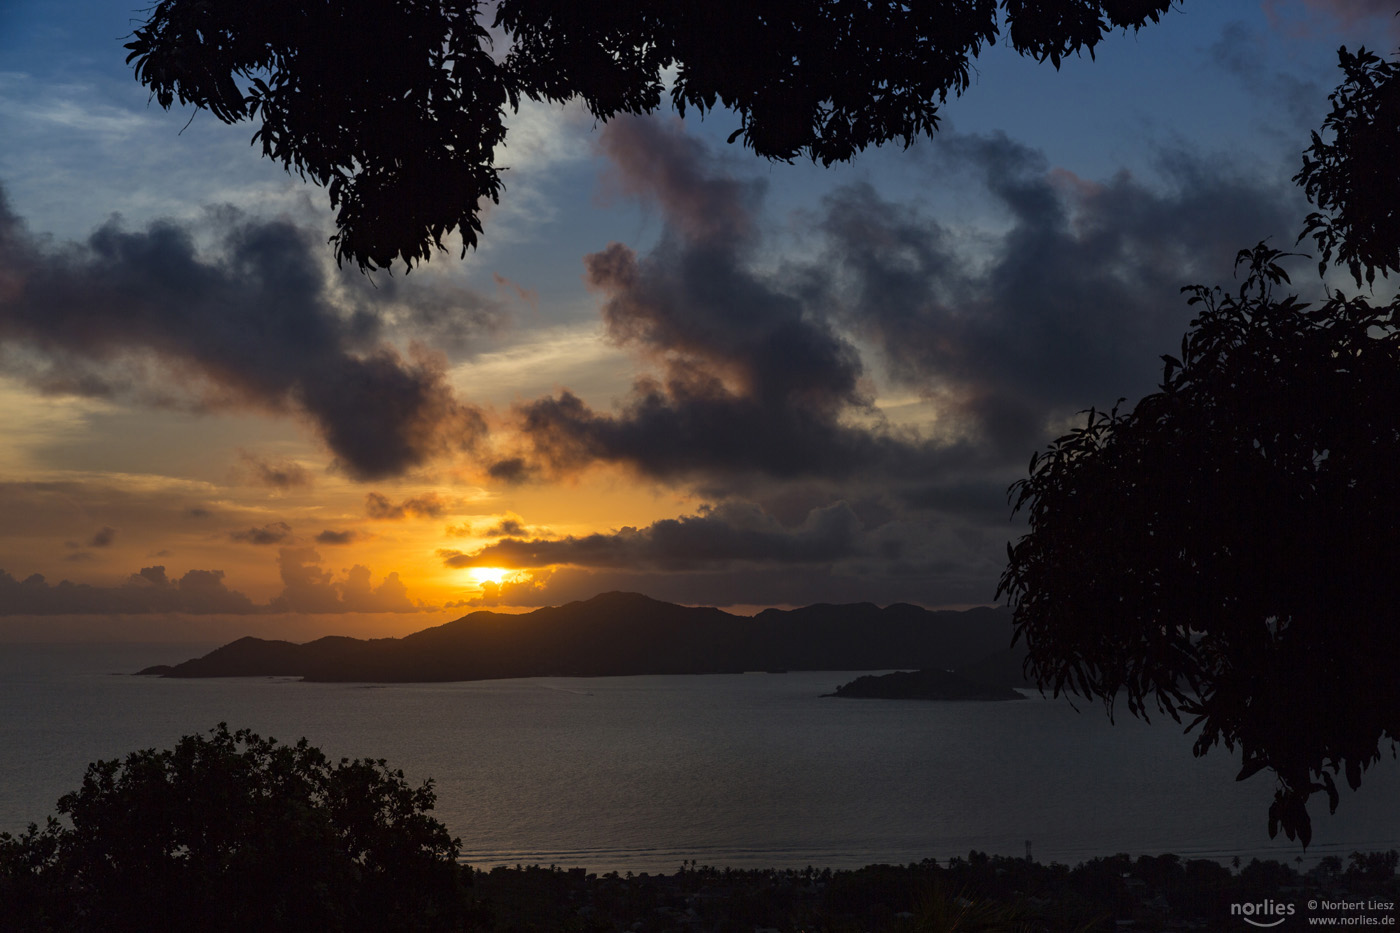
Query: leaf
[[1250, 768]]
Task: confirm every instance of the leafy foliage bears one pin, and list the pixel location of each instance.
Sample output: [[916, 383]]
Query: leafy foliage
[[1351, 176], [1227, 548], [397, 106], [235, 832]]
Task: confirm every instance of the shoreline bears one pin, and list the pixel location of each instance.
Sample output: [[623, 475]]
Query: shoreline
[[1162, 892], [661, 862]]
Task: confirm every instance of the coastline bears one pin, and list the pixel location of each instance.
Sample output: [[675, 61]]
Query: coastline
[[1162, 892]]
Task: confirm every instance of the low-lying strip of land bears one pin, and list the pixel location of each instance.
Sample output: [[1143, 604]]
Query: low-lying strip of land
[[980, 892]]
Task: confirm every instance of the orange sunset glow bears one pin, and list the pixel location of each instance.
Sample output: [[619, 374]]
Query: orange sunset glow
[[665, 367], [536, 465]]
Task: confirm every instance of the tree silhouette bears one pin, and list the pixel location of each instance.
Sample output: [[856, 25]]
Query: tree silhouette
[[1227, 548], [397, 106], [235, 832], [1352, 175]]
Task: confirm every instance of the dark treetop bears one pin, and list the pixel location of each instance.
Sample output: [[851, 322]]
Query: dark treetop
[[231, 833], [1227, 549], [397, 106]]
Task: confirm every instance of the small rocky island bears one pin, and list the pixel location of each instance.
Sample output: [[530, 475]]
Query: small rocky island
[[922, 685]]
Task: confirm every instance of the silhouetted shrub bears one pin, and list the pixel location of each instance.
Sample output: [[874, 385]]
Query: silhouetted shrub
[[240, 833]]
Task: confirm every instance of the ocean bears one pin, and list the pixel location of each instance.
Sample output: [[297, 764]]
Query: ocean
[[746, 771]]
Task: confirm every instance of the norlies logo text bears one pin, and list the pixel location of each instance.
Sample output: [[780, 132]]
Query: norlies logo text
[[1272, 911]]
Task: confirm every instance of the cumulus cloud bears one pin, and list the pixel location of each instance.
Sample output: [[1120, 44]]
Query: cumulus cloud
[[717, 536], [429, 505], [1072, 307], [338, 538], [738, 552], [510, 526], [307, 587], [198, 592], [749, 380], [284, 474], [511, 470], [653, 160], [763, 368], [757, 370], [103, 537], [253, 320], [273, 533]]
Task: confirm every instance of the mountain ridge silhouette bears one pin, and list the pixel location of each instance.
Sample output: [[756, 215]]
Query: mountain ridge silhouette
[[620, 633]]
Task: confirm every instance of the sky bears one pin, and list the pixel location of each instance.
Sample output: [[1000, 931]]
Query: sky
[[670, 367]]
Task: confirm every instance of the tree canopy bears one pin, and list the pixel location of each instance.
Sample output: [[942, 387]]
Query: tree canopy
[[397, 106], [235, 832], [1226, 549], [1351, 174]]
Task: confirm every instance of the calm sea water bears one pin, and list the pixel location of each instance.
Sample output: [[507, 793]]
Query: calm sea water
[[641, 773]]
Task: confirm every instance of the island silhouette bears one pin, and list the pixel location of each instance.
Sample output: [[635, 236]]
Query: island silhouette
[[928, 684], [628, 633]]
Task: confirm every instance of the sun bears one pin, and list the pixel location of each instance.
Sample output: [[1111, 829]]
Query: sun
[[488, 574]]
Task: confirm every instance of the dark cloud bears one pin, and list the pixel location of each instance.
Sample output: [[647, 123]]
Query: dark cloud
[[749, 380], [1072, 307], [511, 470], [716, 537], [430, 308], [984, 499], [198, 592], [757, 372], [1240, 51], [759, 390], [285, 474], [381, 508], [254, 321], [942, 584], [655, 161], [508, 527], [736, 552], [275, 533], [309, 588], [337, 538], [103, 537]]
